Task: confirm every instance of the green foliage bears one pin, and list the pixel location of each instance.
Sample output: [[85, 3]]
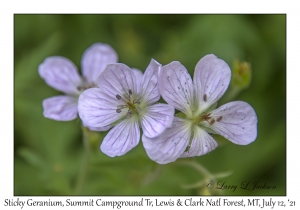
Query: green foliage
[[48, 154]]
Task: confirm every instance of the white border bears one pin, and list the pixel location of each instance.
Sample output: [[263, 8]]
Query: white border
[[8, 8]]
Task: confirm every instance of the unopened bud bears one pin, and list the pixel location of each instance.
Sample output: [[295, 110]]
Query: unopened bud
[[241, 74]]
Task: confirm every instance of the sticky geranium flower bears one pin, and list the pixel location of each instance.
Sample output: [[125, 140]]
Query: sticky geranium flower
[[125, 99], [189, 135], [61, 74]]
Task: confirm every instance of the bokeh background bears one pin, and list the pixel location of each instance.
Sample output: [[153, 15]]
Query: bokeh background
[[48, 154]]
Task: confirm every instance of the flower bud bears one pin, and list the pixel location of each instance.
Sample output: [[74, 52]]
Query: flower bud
[[241, 74]]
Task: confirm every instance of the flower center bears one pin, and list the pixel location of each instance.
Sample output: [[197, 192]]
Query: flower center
[[85, 85], [206, 117], [201, 118], [130, 102]]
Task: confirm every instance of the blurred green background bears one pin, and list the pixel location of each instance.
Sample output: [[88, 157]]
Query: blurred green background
[[48, 154]]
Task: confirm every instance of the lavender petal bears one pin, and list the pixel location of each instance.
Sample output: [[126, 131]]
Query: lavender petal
[[61, 74], [60, 108], [202, 143], [236, 121], [138, 76], [168, 146], [211, 77], [176, 87], [121, 139], [117, 79], [98, 109], [149, 84], [95, 59], [157, 119]]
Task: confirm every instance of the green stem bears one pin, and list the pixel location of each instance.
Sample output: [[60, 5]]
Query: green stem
[[151, 177], [201, 169], [207, 176], [84, 164]]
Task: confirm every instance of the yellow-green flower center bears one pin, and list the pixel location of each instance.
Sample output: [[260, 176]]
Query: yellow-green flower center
[[131, 102]]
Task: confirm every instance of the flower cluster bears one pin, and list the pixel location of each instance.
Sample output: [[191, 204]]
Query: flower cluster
[[61, 74], [196, 100], [111, 95]]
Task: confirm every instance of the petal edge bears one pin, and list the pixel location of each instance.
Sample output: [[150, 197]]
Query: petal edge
[[95, 59], [121, 139], [60, 108], [238, 122], [61, 74], [168, 146]]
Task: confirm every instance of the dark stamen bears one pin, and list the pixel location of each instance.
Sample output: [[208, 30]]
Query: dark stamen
[[118, 96], [212, 122], [206, 117], [130, 92], [118, 110], [79, 88], [219, 118], [205, 97]]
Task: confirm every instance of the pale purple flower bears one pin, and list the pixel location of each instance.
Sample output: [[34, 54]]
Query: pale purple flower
[[189, 135], [61, 74], [126, 100]]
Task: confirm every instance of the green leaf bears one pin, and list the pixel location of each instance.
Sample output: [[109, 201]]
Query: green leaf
[[31, 157]]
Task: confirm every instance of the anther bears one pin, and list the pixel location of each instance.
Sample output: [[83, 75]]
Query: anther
[[79, 88], [118, 110], [118, 96], [212, 122], [206, 117], [130, 92], [219, 118], [205, 97]]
